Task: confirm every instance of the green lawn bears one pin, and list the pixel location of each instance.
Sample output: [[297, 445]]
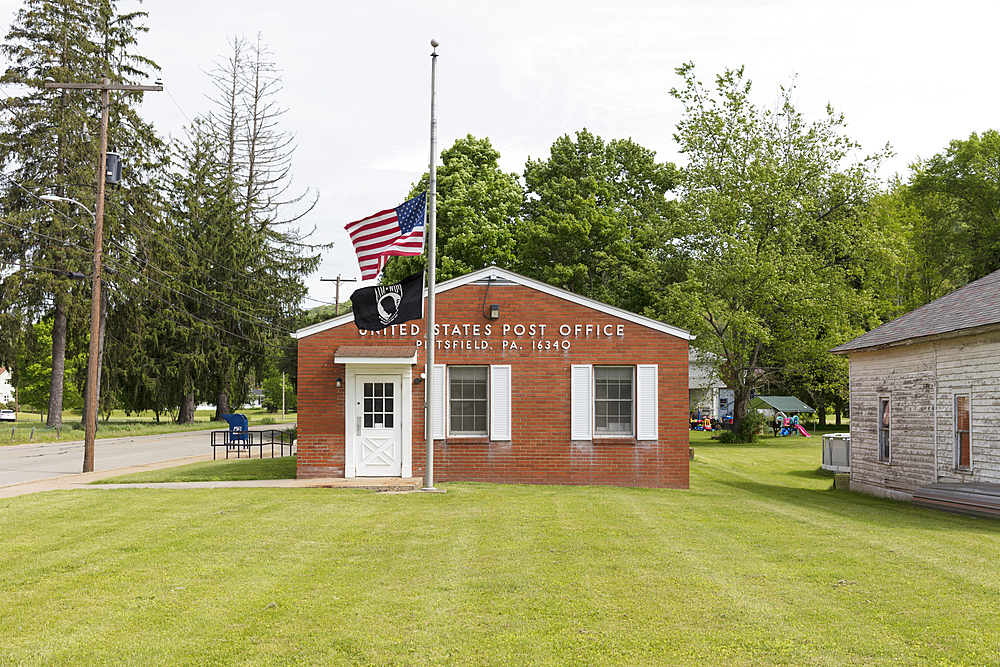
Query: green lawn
[[30, 427], [223, 470], [759, 563]]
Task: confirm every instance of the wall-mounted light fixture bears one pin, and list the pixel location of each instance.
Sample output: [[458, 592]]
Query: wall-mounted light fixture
[[494, 311], [340, 382], [418, 380]]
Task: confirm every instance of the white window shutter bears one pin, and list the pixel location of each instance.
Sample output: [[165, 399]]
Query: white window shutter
[[582, 402], [500, 417], [440, 394], [647, 402]]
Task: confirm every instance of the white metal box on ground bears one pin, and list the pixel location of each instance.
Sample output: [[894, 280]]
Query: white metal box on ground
[[837, 452]]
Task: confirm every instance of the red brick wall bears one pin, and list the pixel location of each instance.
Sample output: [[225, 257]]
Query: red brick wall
[[541, 451]]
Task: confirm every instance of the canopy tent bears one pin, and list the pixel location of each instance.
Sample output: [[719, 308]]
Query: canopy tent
[[787, 404]]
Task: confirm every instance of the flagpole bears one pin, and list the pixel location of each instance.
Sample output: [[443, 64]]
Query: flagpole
[[431, 266]]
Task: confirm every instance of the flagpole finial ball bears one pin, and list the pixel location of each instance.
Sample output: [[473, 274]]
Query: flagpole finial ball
[[435, 43]]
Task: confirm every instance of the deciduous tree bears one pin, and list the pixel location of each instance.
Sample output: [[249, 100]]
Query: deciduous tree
[[959, 193], [777, 235], [477, 209], [599, 220]]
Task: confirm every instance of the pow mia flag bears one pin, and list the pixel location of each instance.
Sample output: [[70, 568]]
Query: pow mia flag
[[377, 308]]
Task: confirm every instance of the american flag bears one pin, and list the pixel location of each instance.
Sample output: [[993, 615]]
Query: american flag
[[397, 231]]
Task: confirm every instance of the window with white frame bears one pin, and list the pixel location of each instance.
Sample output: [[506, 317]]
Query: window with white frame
[[883, 429], [468, 400], [613, 404], [472, 401], [611, 401], [963, 431]]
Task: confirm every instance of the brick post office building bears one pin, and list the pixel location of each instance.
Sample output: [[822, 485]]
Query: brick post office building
[[533, 384]]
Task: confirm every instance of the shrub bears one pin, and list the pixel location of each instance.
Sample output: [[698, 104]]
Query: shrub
[[751, 425], [729, 438]]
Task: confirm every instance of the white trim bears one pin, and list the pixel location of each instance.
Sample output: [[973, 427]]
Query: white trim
[[500, 414], [646, 402], [376, 361], [581, 402], [437, 419], [405, 373], [500, 275]]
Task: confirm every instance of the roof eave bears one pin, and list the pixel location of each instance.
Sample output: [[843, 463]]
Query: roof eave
[[915, 340]]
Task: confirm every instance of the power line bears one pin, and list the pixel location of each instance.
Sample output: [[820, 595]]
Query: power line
[[175, 245], [188, 296], [207, 323], [216, 340], [64, 243]]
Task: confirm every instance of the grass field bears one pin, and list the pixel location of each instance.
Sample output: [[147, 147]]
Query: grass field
[[223, 470], [30, 427], [759, 563]]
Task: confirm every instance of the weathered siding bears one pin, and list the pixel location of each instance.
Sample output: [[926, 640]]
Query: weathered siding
[[906, 377], [970, 365], [921, 381]]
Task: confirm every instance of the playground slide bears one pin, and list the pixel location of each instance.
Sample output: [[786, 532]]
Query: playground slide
[[802, 430]]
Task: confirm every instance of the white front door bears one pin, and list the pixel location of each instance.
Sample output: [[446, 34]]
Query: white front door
[[378, 429]]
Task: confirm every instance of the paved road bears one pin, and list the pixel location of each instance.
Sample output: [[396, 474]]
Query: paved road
[[27, 463]]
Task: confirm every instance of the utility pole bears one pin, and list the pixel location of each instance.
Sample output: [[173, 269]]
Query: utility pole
[[90, 419], [338, 280]]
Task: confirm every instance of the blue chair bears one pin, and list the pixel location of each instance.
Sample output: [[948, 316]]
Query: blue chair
[[239, 427]]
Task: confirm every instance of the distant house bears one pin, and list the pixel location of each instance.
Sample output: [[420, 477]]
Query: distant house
[[924, 402], [6, 390], [705, 388], [256, 398]]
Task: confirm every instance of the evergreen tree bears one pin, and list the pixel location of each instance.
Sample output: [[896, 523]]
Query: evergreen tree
[[264, 253], [48, 145]]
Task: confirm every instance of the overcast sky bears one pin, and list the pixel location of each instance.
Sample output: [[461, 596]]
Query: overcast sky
[[356, 78]]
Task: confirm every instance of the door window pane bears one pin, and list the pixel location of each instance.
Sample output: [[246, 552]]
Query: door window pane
[[378, 405]]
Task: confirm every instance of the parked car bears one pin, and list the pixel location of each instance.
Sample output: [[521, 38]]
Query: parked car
[[8, 416]]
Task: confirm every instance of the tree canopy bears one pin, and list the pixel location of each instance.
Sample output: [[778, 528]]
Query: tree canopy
[[776, 235], [959, 193], [598, 219], [477, 209]]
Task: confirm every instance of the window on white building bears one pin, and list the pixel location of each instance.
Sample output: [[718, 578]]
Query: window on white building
[[883, 429], [963, 431]]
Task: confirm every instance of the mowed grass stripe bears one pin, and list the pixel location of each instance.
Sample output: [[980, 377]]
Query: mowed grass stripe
[[760, 563]]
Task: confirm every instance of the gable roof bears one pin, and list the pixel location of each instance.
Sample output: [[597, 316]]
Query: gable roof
[[975, 305], [497, 276]]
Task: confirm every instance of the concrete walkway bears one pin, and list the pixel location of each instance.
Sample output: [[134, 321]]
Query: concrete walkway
[[83, 480]]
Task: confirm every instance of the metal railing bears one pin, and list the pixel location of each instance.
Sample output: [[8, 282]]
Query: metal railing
[[245, 441]]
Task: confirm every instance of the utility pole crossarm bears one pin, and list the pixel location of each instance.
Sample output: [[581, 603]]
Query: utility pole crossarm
[[338, 280]]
